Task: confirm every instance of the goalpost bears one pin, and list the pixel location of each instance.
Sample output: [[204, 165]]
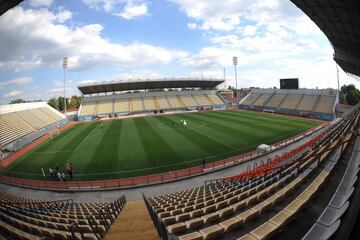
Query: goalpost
[[53, 133]]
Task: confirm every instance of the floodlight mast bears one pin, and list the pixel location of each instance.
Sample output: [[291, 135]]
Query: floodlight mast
[[65, 65], [235, 62], [224, 76], [338, 78]]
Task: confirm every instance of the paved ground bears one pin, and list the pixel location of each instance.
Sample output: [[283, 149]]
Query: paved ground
[[136, 193]]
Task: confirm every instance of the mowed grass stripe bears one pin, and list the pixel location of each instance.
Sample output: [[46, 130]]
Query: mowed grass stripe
[[261, 122], [277, 119], [130, 153], [240, 140], [157, 150], [224, 132], [182, 146], [72, 131], [289, 129], [202, 140], [59, 158], [106, 152], [239, 129], [134, 147], [259, 128]]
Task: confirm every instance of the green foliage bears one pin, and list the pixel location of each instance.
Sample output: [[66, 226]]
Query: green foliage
[[18, 100], [349, 94], [75, 102], [53, 102]]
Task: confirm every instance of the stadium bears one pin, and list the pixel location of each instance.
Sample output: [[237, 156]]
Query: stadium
[[181, 158]]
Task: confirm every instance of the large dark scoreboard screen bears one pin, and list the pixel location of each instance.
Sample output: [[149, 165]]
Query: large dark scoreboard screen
[[289, 83]]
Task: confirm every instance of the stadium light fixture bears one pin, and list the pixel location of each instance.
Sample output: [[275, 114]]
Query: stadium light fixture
[[65, 65], [235, 62]]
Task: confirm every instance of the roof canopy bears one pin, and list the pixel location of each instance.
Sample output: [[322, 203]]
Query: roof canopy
[[339, 20], [148, 84], [6, 5]]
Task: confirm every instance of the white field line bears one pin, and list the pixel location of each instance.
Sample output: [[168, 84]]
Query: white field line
[[88, 137]]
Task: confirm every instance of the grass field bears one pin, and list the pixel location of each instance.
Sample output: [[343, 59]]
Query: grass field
[[140, 146]]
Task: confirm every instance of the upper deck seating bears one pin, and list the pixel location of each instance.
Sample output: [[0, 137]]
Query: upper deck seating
[[261, 100], [105, 107], [250, 99], [307, 103], [291, 101], [275, 100], [326, 104], [148, 102], [88, 109]]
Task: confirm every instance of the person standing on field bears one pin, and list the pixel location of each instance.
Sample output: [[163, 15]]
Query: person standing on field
[[71, 171]]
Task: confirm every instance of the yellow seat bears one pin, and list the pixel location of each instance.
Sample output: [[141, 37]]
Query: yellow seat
[[247, 237], [192, 236], [225, 212], [211, 217], [231, 224], [281, 218], [176, 228], [194, 223], [294, 206], [212, 232], [264, 231]]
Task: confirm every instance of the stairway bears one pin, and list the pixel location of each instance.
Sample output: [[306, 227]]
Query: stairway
[[134, 222]]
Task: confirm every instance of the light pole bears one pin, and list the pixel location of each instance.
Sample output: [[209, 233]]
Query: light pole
[[224, 78], [338, 79], [65, 65], [235, 62]]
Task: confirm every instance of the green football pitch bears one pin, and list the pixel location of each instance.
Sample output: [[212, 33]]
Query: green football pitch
[[149, 145]]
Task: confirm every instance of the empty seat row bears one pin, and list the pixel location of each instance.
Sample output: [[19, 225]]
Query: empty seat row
[[154, 103], [56, 219]]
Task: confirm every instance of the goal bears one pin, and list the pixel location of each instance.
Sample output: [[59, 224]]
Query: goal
[[53, 133]]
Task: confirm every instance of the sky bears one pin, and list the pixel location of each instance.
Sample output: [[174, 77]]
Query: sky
[[111, 40]]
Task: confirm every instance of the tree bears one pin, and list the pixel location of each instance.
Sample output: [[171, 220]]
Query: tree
[[75, 102], [60, 102], [349, 94], [53, 102], [18, 100]]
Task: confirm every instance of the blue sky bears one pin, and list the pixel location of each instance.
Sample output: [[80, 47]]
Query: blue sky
[[108, 40]]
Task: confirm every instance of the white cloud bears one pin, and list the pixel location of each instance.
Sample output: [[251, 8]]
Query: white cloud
[[34, 38], [127, 9], [16, 81], [123, 77], [106, 5], [41, 3], [273, 39], [63, 15], [192, 25], [59, 90], [87, 81], [13, 94], [228, 15], [131, 11], [249, 30]]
